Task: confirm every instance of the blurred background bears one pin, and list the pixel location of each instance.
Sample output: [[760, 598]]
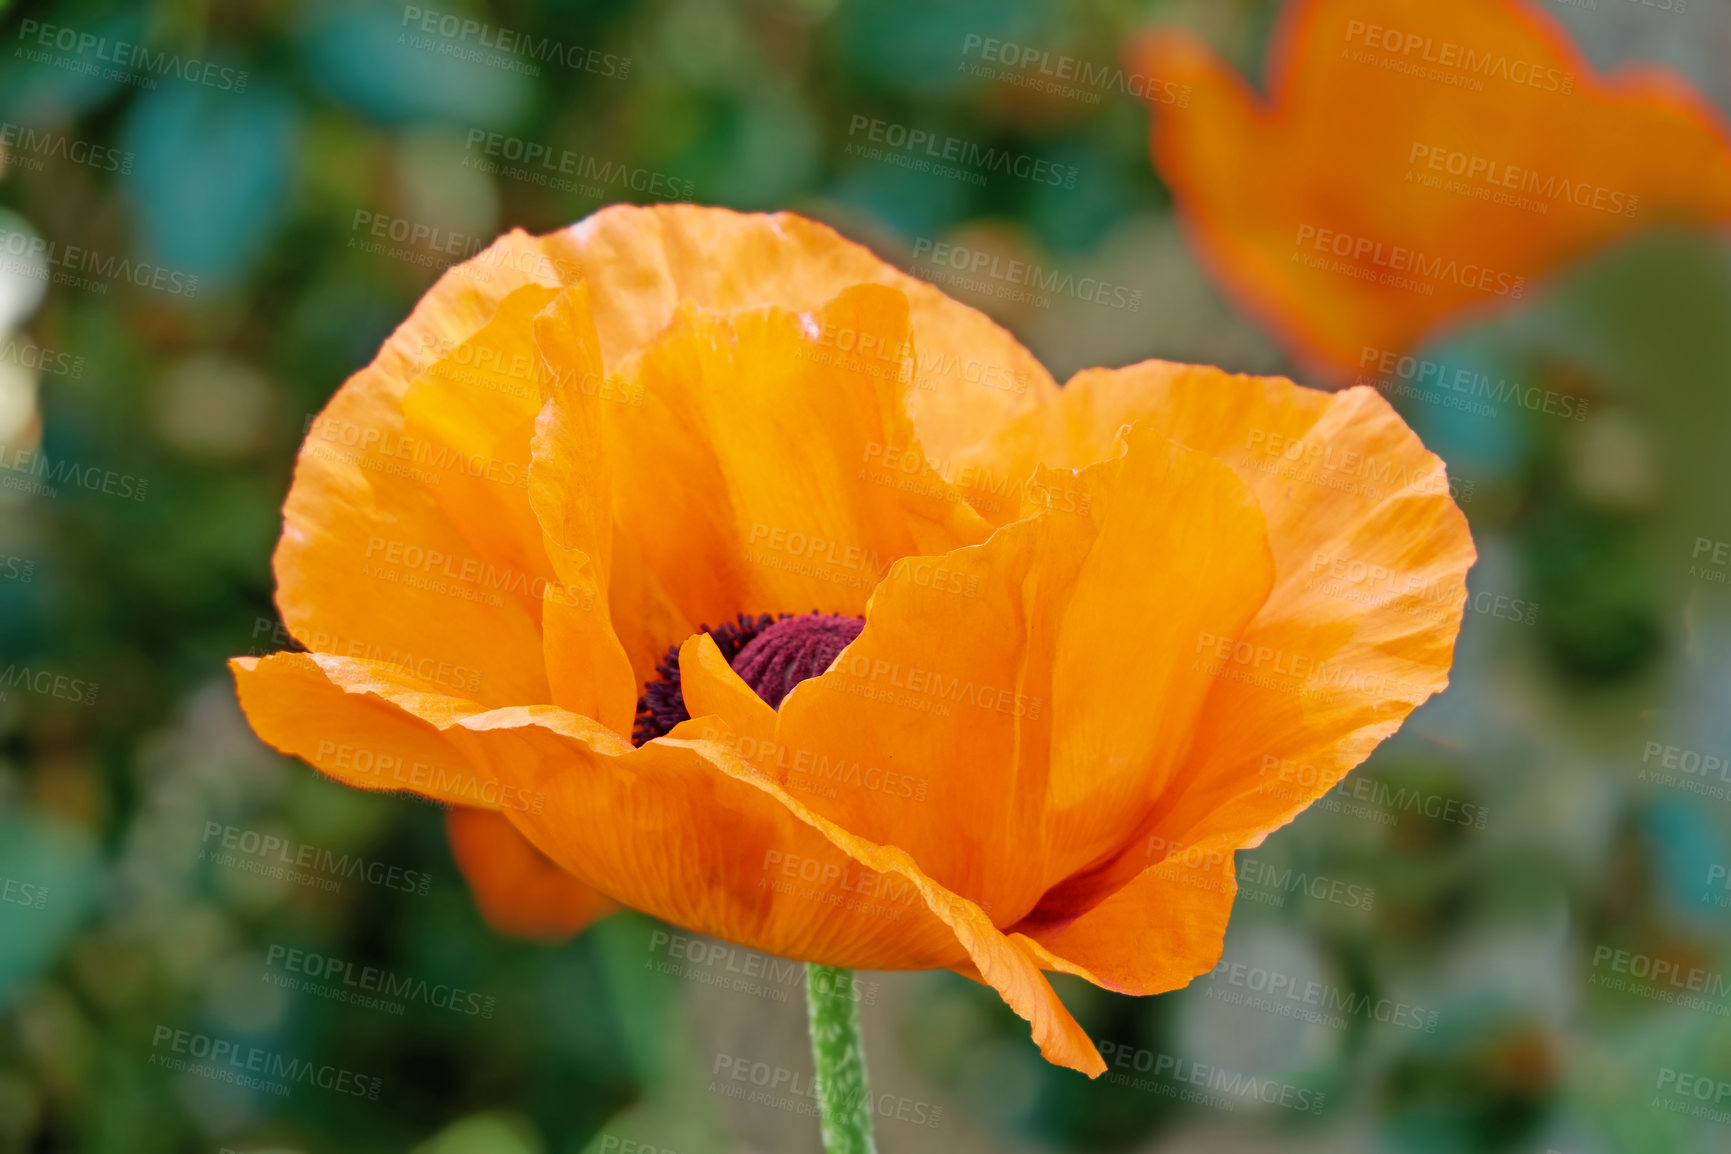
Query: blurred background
[[1518, 909]]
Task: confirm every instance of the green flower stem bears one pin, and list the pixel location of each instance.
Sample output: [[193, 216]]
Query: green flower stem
[[840, 1060]]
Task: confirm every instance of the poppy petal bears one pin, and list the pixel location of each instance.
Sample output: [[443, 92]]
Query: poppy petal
[[1042, 682], [386, 552], [710, 843], [331, 713], [519, 891], [1434, 160], [378, 557], [741, 483], [643, 262], [477, 407], [571, 494], [1166, 926], [710, 687], [681, 829], [1329, 667]]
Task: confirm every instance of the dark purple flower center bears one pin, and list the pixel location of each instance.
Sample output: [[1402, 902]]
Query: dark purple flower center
[[792, 650], [771, 654]]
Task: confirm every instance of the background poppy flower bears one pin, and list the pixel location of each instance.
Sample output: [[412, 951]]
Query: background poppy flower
[[1098, 624], [1412, 161]]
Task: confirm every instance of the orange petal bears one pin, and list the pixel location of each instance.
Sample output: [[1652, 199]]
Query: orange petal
[[1182, 550], [700, 838], [477, 406], [643, 262], [406, 538], [744, 482], [710, 687], [682, 829], [1370, 555], [335, 714], [1042, 683], [392, 547], [571, 493], [1430, 159], [1164, 927], [520, 892]]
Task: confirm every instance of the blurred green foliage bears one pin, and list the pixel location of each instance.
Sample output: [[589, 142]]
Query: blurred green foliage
[[262, 189]]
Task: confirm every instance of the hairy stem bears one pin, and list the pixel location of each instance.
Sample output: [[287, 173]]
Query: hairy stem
[[840, 1060]]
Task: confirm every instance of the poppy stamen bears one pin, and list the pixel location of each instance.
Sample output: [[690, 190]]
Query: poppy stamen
[[771, 654]]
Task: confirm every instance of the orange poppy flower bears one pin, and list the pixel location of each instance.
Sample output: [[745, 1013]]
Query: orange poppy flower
[[925, 671], [1414, 161]]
